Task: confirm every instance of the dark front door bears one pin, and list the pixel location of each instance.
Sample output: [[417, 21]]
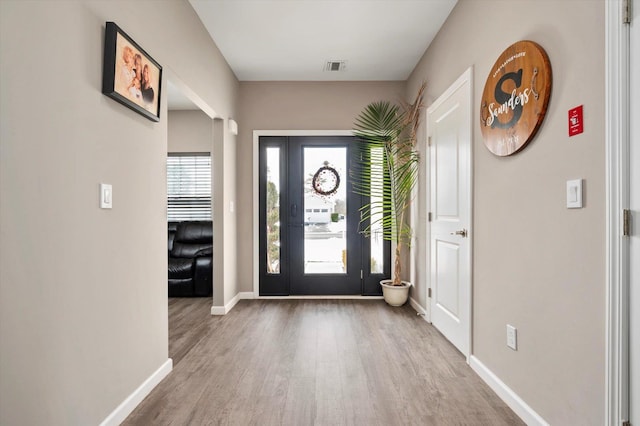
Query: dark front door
[[309, 221]]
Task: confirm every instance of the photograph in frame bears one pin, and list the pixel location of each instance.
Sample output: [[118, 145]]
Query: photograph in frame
[[130, 75]]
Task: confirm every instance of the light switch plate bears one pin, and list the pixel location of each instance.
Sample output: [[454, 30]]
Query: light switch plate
[[106, 196], [574, 194], [512, 337]]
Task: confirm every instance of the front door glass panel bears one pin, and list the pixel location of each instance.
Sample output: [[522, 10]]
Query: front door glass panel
[[376, 239], [325, 208], [272, 213]]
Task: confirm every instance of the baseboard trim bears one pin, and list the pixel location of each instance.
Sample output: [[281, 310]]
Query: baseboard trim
[[224, 310], [218, 310], [127, 406], [526, 413], [418, 307]]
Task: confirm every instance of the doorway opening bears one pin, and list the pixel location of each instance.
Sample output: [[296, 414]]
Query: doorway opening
[[190, 194]]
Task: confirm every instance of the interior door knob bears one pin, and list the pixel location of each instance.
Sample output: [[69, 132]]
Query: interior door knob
[[462, 233]]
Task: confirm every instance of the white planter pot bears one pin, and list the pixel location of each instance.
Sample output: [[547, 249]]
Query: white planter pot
[[395, 295]]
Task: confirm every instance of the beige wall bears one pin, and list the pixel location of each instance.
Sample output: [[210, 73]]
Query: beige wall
[[225, 281], [189, 131], [83, 296], [537, 265], [292, 106]]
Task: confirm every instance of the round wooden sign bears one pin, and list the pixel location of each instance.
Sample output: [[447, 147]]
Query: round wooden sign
[[515, 98]]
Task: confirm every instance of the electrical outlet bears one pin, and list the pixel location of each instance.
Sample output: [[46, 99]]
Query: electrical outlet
[[512, 337]]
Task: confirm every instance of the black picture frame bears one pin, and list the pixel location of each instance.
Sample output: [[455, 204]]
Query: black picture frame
[[130, 75]]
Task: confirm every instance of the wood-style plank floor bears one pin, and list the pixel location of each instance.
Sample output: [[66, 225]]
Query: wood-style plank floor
[[314, 362]]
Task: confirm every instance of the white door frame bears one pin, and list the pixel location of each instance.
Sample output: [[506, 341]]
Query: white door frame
[[617, 198]]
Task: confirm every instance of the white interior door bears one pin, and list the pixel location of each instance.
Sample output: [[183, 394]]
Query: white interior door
[[449, 133], [634, 239]]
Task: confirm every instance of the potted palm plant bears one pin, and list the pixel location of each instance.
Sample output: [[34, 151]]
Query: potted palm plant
[[385, 169]]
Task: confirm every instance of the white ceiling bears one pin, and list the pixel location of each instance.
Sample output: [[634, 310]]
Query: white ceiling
[[292, 40]]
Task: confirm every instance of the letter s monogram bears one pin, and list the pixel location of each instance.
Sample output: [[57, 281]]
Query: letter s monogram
[[502, 97]]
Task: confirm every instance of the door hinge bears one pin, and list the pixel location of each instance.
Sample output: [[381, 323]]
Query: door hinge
[[429, 217], [626, 11], [429, 141], [429, 292], [626, 213]]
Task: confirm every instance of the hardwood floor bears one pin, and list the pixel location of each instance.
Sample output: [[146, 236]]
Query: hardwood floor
[[189, 321], [314, 362]]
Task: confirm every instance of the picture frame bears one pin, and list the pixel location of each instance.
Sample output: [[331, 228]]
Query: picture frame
[[130, 75]]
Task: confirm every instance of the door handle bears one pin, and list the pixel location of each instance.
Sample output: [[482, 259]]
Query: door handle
[[294, 212], [462, 233]]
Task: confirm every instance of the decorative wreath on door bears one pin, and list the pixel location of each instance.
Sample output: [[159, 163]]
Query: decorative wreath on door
[[326, 180]]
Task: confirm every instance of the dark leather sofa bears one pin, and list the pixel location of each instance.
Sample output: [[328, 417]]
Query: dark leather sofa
[[190, 258]]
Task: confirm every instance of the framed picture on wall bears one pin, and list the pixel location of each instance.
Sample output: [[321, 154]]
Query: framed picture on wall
[[130, 76]]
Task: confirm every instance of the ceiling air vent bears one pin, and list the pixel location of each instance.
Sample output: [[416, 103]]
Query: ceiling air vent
[[332, 66]]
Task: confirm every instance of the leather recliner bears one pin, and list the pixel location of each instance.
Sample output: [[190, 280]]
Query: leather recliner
[[190, 258]]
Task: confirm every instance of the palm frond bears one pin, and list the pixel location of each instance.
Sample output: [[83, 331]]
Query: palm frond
[[385, 167]]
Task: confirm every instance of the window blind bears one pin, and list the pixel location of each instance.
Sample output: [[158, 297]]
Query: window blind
[[189, 187]]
